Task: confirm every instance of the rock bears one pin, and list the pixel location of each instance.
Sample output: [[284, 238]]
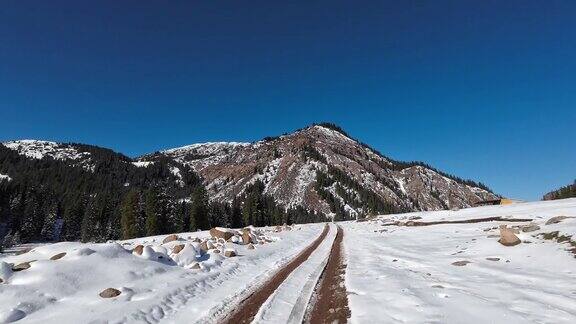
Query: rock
[[250, 247], [556, 220], [414, 217], [176, 249], [58, 256], [493, 259], [170, 238], [530, 228], [216, 251], [221, 233], [460, 263], [229, 253], [110, 293], [204, 246], [507, 237], [278, 229], [246, 238], [515, 230], [197, 240], [1, 280], [138, 249], [195, 266], [22, 266]]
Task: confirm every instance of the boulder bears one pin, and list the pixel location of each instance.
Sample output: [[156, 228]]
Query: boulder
[[246, 237], [221, 233], [1, 280], [278, 229], [493, 259], [197, 240], [556, 220], [530, 228], [250, 246], [110, 293], [22, 266], [460, 263], [229, 253], [176, 249], [507, 237], [58, 256], [170, 238], [138, 249], [195, 266]]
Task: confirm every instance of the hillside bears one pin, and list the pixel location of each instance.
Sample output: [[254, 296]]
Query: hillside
[[70, 191], [323, 169], [568, 191]]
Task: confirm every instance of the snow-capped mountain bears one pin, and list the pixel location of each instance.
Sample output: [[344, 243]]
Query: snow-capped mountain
[[323, 169]]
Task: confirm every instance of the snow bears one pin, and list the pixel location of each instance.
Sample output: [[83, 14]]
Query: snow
[[156, 286], [143, 164], [289, 302], [205, 148], [5, 177], [39, 149], [405, 274]]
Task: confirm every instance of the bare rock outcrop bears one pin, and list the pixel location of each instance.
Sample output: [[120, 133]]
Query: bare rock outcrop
[[110, 293], [170, 238], [221, 233], [507, 237], [58, 256]]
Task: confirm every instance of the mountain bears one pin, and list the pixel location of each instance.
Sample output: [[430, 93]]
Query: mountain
[[74, 191], [70, 191], [323, 169], [568, 191]]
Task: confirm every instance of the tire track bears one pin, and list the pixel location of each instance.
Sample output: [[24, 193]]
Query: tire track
[[331, 302], [248, 308]]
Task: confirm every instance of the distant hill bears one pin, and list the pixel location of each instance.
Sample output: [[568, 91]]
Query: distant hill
[[568, 191], [69, 191]]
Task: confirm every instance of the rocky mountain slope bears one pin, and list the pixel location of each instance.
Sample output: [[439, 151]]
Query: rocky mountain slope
[[74, 191], [568, 191], [323, 169]]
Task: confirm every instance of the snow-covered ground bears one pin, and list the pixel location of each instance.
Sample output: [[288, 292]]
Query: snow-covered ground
[[404, 274], [155, 286], [394, 274]]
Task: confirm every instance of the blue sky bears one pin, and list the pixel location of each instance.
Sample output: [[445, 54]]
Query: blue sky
[[482, 89]]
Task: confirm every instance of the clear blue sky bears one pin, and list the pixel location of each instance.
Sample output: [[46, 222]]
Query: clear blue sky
[[481, 89]]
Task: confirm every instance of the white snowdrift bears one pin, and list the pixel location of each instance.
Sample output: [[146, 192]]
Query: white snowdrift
[[405, 274], [154, 286]]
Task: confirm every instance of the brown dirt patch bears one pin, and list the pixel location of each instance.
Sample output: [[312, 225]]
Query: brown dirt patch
[[463, 221], [248, 308], [331, 304]]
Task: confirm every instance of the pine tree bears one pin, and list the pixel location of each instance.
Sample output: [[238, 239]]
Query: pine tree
[[90, 221], [152, 211], [73, 219], [48, 231], [199, 209], [236, 215], [129, 214]]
